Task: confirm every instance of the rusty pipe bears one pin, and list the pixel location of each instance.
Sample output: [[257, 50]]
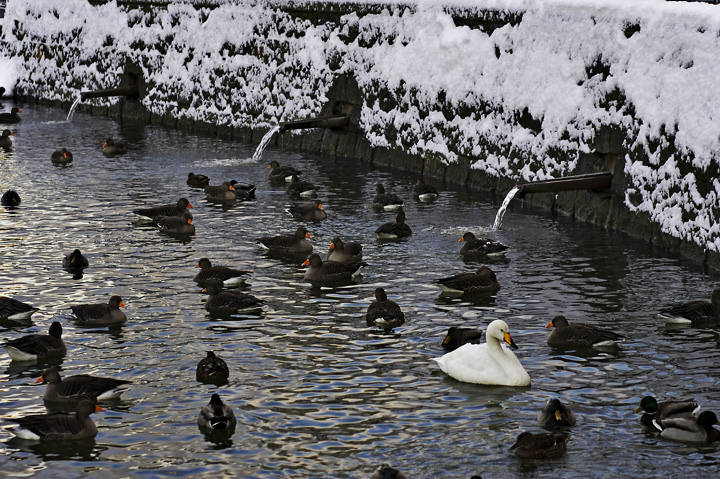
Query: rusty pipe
[[334, 121], [590, 181]]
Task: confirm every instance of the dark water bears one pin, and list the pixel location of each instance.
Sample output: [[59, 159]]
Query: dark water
[[316, 392]]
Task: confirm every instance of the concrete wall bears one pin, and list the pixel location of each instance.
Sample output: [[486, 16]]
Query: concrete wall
[[236, 68]]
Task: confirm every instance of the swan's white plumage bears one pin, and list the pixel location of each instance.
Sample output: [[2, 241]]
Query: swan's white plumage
[[490, 363]]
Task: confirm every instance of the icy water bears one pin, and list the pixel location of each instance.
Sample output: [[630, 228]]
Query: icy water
[[315, 391]]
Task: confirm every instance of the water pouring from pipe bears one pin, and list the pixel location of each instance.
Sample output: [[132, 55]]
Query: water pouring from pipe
[[72, 108], [504, 206], [257, 156]]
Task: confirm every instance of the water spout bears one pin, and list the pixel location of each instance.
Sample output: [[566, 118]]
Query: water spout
[[130, 91], [257, 156], [503, 207], [72, 109], [333, 121]]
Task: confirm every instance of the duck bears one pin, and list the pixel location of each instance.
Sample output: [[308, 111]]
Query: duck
[[387, 472], [38, 347], [61, 157], [489, 363], [11, 117], [58, 426], [383, 312], [481, 247], [320, 271], [298, 187], [342, 252], [5, 140], [692, 429], [176, 225], [100, 314], [281, 174], [212, 369], [112, 147], [10, 198], [394, 230], [222, 193], [15, 310], [456, 337], [653, 410], [309, 212], [75, 260], [288, 244], [579, 335], [229, 276], [216, 416], [386, 201], [228, 302], [695, 312], [197, 181], [540, 446], [483, 280], [555, 415], [152, 214], [74, 388], [425, 192], [243, 191]]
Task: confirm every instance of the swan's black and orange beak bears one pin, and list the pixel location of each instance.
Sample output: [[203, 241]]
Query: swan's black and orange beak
[[508, 339]]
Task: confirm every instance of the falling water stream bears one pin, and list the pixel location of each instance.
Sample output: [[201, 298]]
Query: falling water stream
[[317, 393], [504, 206], [72, 108], [257, 156]]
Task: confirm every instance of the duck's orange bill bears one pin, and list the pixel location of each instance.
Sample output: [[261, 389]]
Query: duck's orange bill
[[549, 325], [98, 408], [122, 305], [190, 206], [332, 246], [39, 380], [307, 235], [306, 263]]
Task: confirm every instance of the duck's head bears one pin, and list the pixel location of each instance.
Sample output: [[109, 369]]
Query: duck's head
[[647, 404], [499, 330]]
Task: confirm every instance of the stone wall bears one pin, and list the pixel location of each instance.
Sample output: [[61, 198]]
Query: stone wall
[[236, 68]]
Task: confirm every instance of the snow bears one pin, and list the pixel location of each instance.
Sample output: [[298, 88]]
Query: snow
[[247, 63]]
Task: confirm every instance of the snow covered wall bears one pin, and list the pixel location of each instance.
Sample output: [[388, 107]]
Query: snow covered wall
[[516, 89]]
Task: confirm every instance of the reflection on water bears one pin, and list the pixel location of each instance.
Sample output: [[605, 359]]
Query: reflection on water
[[316, 392]]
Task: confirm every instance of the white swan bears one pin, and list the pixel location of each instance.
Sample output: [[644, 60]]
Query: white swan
[[490, 363]]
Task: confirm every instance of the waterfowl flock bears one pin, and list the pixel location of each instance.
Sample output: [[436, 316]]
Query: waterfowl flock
[[490, 362]]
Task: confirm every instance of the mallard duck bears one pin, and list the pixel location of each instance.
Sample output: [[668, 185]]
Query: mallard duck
[[228, 302], [229, 276], [481, 281], [308, 212], [154, 213], [212, 369], [10, 198], [696, 312], [490, 363], [81, 386], [223, 193], [243, 191], [692, 429], [197, 181], [100, 314], [555, 415], [344, 252], [11, 117], [320, 271], [281, 174], [58, 426], [387, 472], [579, 335], [475, 247], [112, 147], [386, 201], [383, 312], [38, 347], [5, 140], [665, 410], [75, 260], [216, 416], [456, 337], [298, 187], [288, 244], [425, 192], [61, 157], [14, 310], [176, 225], [540, 446], [394, 230]]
